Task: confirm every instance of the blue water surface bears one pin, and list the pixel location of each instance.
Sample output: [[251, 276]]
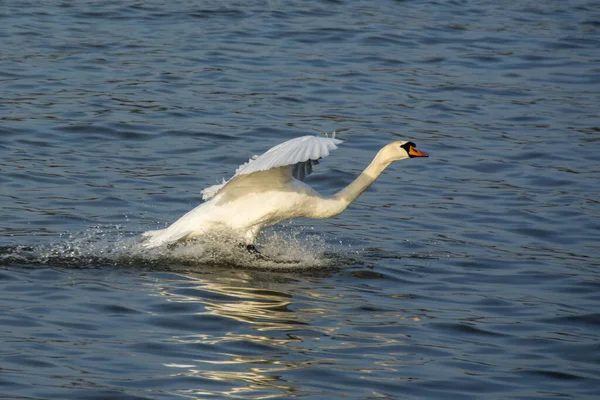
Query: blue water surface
[[471, 274]]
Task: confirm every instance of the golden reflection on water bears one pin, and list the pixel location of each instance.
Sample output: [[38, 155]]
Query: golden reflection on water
[[263, 309], [276, 321]]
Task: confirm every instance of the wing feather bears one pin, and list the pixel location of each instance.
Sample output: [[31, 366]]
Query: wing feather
[[301, 153], [291, 152], [303, 169]]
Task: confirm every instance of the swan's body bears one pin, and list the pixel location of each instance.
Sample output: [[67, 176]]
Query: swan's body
[[270, 189]]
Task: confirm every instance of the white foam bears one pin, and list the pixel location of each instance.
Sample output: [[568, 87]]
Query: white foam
[[114, 246]]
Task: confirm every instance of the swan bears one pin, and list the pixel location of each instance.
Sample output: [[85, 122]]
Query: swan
[[269, 189]]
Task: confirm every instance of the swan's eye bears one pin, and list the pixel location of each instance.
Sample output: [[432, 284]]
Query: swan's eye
[[407, 146]]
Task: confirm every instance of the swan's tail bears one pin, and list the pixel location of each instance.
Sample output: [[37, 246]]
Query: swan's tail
[[152, 239]]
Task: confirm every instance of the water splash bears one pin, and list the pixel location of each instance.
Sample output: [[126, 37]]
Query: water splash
[[114, 246]]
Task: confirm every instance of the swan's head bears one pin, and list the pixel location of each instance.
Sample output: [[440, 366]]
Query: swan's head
[[400, 150]]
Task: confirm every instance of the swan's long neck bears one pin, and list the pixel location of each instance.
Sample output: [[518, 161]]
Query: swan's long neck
[[342, 199]]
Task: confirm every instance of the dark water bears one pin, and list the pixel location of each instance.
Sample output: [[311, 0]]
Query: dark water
[[471, 274]]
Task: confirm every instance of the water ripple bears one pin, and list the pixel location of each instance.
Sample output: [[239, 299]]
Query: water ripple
[[472, 274]]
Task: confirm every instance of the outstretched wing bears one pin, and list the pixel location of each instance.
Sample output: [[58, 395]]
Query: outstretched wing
[[300, 153], [303, 169]]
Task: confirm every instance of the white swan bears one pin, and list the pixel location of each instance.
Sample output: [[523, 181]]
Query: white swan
[[268, 189]]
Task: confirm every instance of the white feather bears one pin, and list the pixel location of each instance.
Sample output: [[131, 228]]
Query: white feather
[[294, 151]]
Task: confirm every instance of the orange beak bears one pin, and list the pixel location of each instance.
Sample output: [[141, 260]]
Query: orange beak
[[417, 153]]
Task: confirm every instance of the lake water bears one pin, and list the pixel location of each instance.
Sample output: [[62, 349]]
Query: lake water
[[471, 274]]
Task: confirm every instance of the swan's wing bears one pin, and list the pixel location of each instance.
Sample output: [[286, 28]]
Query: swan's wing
[[257, 182], [211, 191], [301, 153], [302, 169], [291, 152]]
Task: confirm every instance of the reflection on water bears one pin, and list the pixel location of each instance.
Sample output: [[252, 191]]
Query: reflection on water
[[275, 328], [270, 321], [260, 307]]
